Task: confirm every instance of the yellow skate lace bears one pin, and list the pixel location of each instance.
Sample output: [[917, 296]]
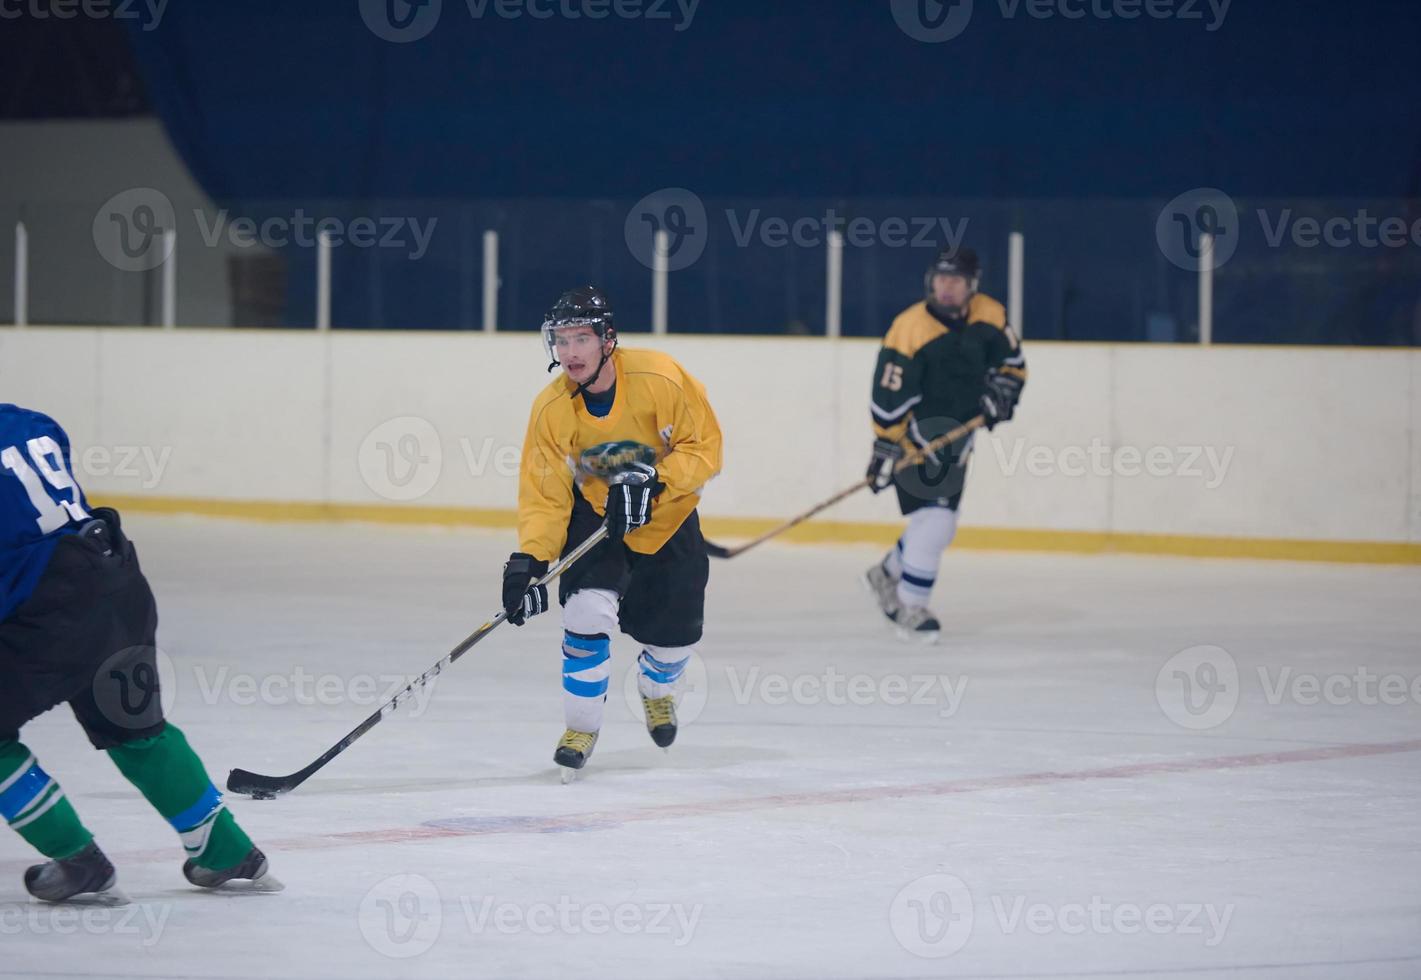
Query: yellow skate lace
[[578, 741], [659, 711]]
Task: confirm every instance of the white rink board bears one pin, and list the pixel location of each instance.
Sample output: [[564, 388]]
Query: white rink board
[[1305, 444]]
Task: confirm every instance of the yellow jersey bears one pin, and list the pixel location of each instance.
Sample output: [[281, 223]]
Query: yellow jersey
[[660, 415]]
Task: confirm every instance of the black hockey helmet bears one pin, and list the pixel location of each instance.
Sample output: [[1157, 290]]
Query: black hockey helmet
[[585, 306], [955, 262]]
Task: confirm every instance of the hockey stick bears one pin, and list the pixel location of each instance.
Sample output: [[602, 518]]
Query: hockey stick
[[261, 787], [910, 459]]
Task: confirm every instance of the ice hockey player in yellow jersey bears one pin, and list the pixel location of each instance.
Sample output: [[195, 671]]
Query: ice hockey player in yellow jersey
[[625, 436], [946, 359]]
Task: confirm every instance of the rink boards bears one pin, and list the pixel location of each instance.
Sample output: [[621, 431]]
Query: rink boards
[[1304, 453]]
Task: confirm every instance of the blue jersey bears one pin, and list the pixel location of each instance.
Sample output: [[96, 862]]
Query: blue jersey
[[40, 501]]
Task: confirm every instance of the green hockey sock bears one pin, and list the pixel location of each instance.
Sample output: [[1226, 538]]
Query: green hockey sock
[[171, 777], [35, 805]]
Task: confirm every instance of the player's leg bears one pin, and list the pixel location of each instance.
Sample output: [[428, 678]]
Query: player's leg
[[121, 711], [35, 807], [929, 496], [39, 670], [919, 552], [589, 618], [589, 592], [664, 610]]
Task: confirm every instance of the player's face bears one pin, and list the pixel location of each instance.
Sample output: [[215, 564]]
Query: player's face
[[579, 351], [951, 291]]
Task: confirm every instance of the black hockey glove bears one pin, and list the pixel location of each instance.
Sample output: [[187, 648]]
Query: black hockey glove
[[999, 395], [522, 600], [629, 499], [886, 454]]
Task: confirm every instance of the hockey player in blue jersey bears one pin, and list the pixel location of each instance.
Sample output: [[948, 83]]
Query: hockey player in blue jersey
[[78, 625]]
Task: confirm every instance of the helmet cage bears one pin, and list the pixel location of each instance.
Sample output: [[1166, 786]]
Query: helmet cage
[[974, 278], [600, 325]]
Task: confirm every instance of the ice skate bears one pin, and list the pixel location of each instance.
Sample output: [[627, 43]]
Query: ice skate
[[252, 874], [660, 719], [87, 878], [573, 751], [884, 588], [916, 624]]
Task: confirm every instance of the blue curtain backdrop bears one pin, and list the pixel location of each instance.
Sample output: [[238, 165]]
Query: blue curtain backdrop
[[273, 104]]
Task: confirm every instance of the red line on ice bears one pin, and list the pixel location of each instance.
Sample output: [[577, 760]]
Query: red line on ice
[[597, 820]]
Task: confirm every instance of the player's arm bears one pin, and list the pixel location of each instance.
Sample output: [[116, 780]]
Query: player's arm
[[1006, 370], [544, 506], [897, 387], [544, 489], [696, 444]]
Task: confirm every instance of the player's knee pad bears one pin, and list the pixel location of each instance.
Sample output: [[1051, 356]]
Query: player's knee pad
[[591, 611], [661, 668], [665, 665], [585, 664]]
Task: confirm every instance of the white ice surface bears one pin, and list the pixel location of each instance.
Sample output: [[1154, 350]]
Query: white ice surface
[[1065, 825]]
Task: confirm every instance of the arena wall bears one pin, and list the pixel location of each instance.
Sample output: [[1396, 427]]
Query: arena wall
[[1268, 452]]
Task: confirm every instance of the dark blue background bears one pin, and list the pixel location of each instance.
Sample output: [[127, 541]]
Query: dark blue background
[[274, 104]]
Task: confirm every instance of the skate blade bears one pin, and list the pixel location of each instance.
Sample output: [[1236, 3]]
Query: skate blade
[[922, 639], [109, 898], [267, 884], [568, 775]]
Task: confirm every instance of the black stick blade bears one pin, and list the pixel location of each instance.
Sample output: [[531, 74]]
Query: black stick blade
[[717, 551], [259, 787]]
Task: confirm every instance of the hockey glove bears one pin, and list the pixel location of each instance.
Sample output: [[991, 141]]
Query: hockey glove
[[629, 499], [886, 454], [999, 395], [522, 600]]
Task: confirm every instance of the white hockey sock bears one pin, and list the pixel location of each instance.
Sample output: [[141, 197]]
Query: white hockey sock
[[930, 530], [661, 669]]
